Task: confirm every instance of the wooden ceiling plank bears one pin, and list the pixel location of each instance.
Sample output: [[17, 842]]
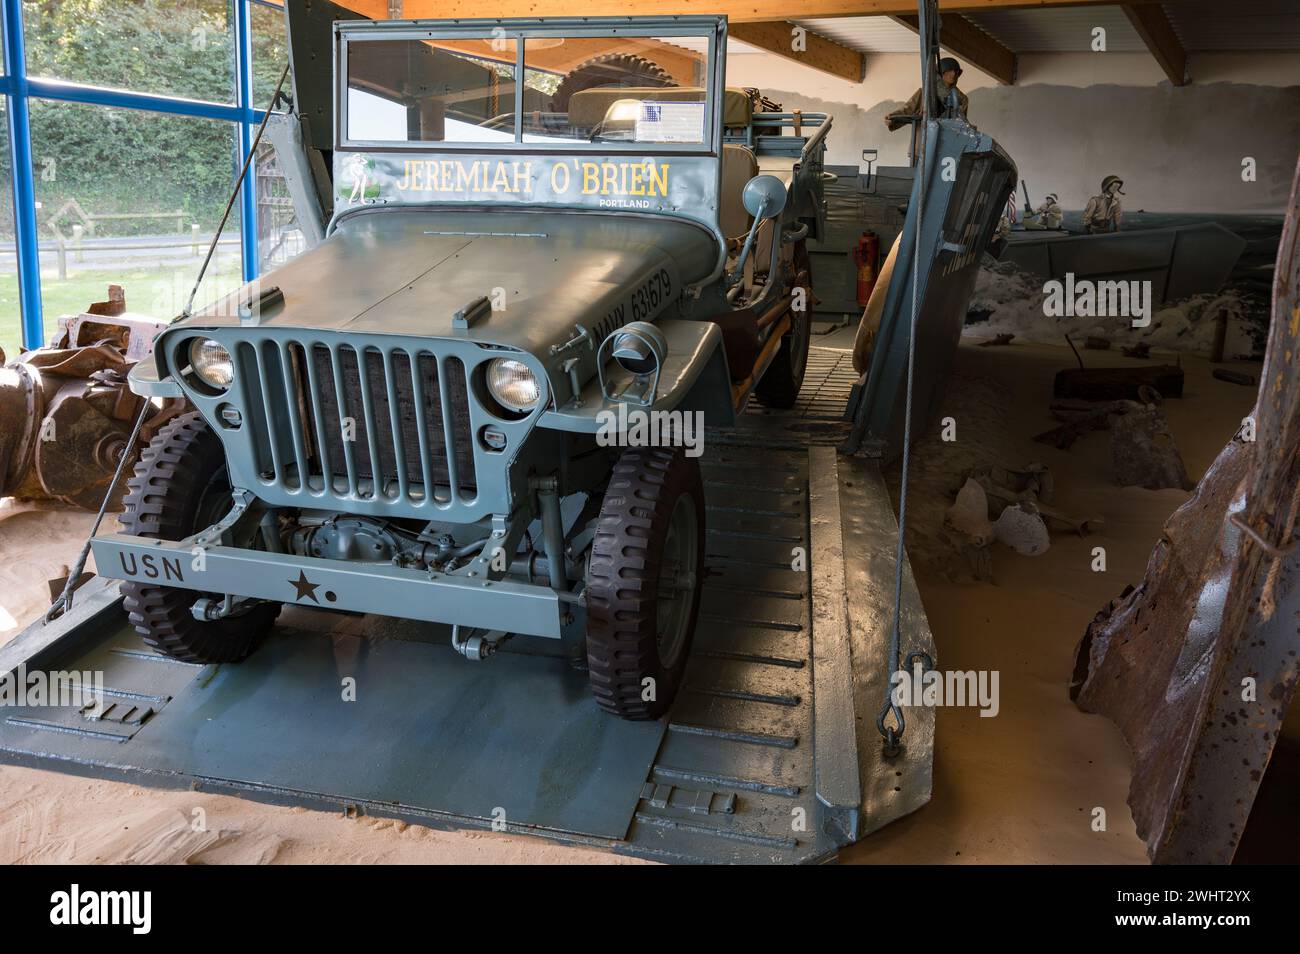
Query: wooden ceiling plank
[[736, 10], [971, 45], [1158, 34], [818, 53]]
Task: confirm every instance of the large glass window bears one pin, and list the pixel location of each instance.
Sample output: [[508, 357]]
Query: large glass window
[[416, 91], [165, 47], [270, 51], [10, 309], [131, 198]]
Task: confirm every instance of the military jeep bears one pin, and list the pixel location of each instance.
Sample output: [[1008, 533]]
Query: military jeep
[[544, 234]]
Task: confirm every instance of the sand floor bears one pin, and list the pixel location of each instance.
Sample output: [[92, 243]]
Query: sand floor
[[1020, 787]]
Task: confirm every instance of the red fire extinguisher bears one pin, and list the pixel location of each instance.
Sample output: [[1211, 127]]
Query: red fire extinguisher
[[866, 255]]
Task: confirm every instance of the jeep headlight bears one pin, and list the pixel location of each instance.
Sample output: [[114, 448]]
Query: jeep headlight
[[212, 363], [513, 385]]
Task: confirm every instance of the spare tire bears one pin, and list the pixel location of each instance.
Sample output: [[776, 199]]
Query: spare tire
[[610, 69]]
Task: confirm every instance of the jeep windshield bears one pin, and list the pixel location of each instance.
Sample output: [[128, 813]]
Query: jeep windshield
[[579, 90]]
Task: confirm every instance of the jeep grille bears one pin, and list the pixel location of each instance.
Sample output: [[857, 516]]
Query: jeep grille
[[388, 425]]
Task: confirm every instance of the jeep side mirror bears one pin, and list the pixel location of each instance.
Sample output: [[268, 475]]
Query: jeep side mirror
[[764, 198]]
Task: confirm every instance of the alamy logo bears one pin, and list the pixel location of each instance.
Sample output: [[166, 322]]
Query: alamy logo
[[1088, 299], [959, 688], [632, 427], [73, 907], [77, 690]]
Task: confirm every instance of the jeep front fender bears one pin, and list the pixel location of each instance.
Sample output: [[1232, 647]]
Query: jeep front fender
[[694, 378]]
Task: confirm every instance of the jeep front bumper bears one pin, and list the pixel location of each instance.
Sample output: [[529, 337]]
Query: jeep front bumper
[[379, 588]]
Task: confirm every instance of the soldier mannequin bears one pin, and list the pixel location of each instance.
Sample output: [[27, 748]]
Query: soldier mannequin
[[949, 71], [1046, 216], [1104, 212]]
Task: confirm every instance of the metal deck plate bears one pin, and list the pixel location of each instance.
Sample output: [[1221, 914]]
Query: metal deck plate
[[767, 756], [817, 417], [428, 732], [734, 779]]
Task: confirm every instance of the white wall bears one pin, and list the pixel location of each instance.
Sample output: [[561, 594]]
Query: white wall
[[1074, 117]]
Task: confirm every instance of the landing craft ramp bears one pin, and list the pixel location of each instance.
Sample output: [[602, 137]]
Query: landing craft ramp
[[770, 753]]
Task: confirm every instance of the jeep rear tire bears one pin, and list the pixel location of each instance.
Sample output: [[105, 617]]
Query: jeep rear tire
[[180, 487], [780, 384], [643, 582]]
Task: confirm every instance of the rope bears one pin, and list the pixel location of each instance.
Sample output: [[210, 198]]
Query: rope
[[63, 602]]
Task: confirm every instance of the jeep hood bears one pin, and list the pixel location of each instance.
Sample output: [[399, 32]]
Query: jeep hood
[[407, 272]]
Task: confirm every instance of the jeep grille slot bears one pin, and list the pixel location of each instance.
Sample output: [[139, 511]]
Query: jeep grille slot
[[363, 422]]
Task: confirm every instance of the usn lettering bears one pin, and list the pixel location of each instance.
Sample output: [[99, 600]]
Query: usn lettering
[[151, 567]]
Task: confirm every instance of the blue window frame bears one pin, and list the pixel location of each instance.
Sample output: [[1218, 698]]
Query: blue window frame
[[18, 89]]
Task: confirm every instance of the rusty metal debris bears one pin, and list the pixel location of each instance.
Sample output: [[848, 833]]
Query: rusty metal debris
[[1080, 418], [1198, 663], [1234, 377], [1115, 384], [1143, 452], [66, 412]]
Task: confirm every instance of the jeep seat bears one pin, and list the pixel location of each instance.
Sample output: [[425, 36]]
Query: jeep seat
[[738, 167]]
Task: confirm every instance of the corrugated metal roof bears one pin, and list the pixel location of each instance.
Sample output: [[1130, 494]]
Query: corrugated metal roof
[[1059, 29], [1248, 25], [865, 34]]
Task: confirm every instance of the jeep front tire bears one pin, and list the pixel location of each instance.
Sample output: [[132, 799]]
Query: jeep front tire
[[643, 582], [179, 488]]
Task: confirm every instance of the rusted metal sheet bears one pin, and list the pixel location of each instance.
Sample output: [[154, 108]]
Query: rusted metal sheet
[[66, 412], [1117, 384], [1198, 664]]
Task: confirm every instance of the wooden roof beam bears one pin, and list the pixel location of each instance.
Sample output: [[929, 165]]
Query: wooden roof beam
[[818, 53], [971, 45], [1158, 34], [738, 11]]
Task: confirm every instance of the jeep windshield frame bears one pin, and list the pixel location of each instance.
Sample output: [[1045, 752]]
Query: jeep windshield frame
[[709, 30]]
